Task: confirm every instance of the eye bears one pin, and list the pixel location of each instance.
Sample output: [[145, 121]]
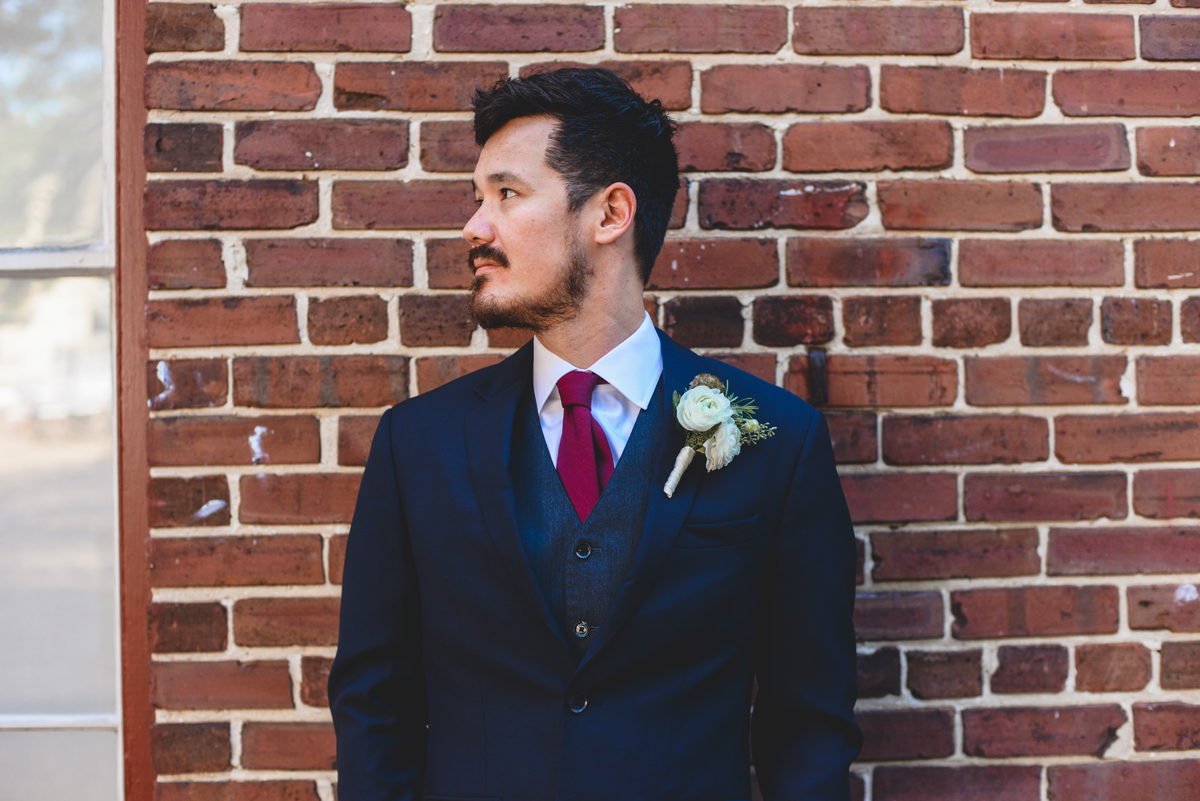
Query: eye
[[506, 193]]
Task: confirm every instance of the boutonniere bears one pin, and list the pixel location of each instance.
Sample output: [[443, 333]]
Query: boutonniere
[[716, 423]]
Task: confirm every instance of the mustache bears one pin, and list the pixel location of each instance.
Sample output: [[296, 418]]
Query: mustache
[[488, 253]]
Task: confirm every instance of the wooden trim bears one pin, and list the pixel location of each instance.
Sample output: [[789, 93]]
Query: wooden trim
[[133, 471]]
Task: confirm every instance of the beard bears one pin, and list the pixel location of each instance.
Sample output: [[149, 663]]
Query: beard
[[557, 304]]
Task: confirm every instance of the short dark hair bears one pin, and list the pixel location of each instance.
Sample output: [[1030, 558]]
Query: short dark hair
[[606, 133]]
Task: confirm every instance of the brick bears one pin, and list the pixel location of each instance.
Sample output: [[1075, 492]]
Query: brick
[[1168, 380], [337, 557], [229, 205], [965, 783], [1041, 731], [1167, 493], [871, 321], [668, 81], [1128, 781], [322, 144], [853, 435], [1038, 380], [1127, 438], [966, 439], [1170, 38], [860, 558], [190, 747], [319, 381], [193, 322], [793, 320], [1135, 321], [288, 746], [434, 371], [220, 685], [1126, 207], [1122, 551], [906, 734], [446, 263], [508, 337], [958, 553], [782, 88], [1168, 151], [680, 208], [196, 501], [1171, 607], [186, 383], [235, 561], [699, 29], [355, 435], [716, 264], [719, 147], [183, 26], [358, 319], [433, 320], [1030, 669], [231, 86], [517, 28], [274, 622], [878, 31], [868, 146], [1043, 611], [237, 791], [1046, 148], [744, 204], [392, 204], [186, 628], [705, 322], [412, 86], [1180, 666], [945, 674], [182, 147], [185, 264], [971, 322], [314, 680], [329, 262], [1068, 37], [960, 205], [226, 440], [1054, 322], [1045, 496], [900, 497], [298, 499], [883, 380], [325, 27], [759, 365], [1127, 93], [1111, 667], [815, 261], [898, 616], [1189, 319], [962, 91], [448, 146], [879, 673], [1166, 727], [1045, 262]]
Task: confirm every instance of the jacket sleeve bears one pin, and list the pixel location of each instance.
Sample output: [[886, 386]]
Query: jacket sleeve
[[377, 684], [803, 734]]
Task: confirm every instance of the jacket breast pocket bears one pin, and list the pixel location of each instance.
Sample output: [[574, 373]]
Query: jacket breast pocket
[[723, 534]]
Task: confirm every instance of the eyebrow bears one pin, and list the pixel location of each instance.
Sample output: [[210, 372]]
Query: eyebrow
[[503, 177]]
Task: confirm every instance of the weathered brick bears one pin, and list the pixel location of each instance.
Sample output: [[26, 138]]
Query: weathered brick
[[298, 499], [705, 322], [960, 205], [783, 321], [237, 791], [759, 365], [1054, 322], [1122, 551], [329, 262], [337, 557], [1037, 380], [182, 147], [1046, 148], [1170, 38], [716, 264], [899, 616], [853, 435], [717, 147], [186, 627], [878, 31], [220, 685], [868, 146], [288, 746], [868, 262], [1180, 666], [699, 29], [1166, 727], [1045, 496], [412, 86], [196, 501], [232, 86], [229, 205], [324, 27], [1045, 262], [1189, 319], [383, 205], [1068, 37], [878, 673], [190, 747], [517, 28], [964, 783], [446, 263], [192, 322], [1127, 93], [273, 622], [223, 440], [1030, 669], [186, 383], [432, 320], [971, 322], [781, 88], [235, 561], [1044, 611], [667, 81], [1041, 731], [1127, 781], [1173, 607], [448, 146], [906, 734], [314, 680], [185, 264], [900, 497], [1135, 321], [959, 553], [962, 91], [509, 337], [965, 439], [1168, 151], [1168, 380], [355, 434], [870, 321], [1111, 667], [347, 320], [744, 204], [322, 144], [945, 674], [1167, 493], [434, 371], [183, 26], [1127, 438], [316, 381], [1155, 206], [883, 380]]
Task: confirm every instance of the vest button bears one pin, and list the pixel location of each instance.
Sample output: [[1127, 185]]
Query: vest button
[[584, 549], [577, 703], [581, 629]]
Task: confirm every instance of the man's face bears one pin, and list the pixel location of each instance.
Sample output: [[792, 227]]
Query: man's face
[[531, 269]]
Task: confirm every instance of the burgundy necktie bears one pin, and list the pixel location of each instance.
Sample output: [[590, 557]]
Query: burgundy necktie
[[585, 462]]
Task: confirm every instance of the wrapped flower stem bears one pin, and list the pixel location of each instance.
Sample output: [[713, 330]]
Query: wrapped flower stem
[[681, 464]]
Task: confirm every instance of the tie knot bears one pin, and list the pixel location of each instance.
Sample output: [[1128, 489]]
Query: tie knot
[[575, 388]]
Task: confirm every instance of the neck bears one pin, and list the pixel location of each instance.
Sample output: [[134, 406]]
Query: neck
[[603, 323]]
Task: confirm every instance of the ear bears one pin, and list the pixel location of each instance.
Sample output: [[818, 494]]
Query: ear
[[618, 205]]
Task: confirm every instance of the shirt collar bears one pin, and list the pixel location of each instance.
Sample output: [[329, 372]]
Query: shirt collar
[[632, 367]]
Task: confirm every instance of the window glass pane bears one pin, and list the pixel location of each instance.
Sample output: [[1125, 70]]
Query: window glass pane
[[57, 529], [58, 765], [51, 116]]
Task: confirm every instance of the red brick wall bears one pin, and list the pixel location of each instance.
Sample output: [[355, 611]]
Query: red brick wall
[[962, 231]]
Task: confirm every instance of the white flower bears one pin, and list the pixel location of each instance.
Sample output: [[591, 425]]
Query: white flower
[[722, 446], [701, 408], [752, 426]]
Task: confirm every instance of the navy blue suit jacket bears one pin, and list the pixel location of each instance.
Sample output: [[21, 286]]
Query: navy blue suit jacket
[[452, 680]]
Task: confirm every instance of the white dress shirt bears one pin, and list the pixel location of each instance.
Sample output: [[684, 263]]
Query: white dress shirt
[[632, 370]]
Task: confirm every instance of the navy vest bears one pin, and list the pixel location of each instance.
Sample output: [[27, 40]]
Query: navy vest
[[580, 565]]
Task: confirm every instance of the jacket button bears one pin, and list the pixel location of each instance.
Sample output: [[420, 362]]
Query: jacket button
[[581, 629], [584, 549], [577, 703]]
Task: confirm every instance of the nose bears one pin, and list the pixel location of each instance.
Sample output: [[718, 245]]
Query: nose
[[478, 230]]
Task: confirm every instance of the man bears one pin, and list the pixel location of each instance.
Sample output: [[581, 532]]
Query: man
[[525, 614]]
